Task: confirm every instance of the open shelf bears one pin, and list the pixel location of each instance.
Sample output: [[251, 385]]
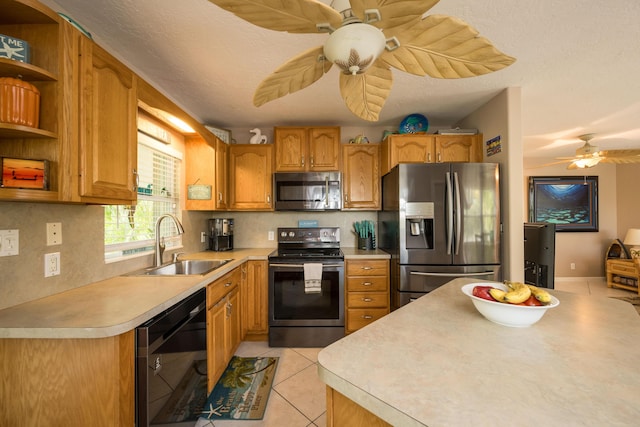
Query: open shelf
[[10, 130], [25, 71]]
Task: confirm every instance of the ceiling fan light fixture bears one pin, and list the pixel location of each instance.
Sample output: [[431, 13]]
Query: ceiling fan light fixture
[[587, 163], [354, 47]]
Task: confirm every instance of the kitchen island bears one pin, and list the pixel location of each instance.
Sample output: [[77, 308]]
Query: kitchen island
[[438, 362]]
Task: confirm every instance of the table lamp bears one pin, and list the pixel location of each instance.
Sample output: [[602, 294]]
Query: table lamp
[[632, 241]]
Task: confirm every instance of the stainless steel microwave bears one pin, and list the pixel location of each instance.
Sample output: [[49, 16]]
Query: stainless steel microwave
[[307, 191]]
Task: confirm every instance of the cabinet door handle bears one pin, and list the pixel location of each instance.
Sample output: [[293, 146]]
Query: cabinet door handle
[[302, 160], [428, 157], [219, 196], [311, 159], [268, 199]]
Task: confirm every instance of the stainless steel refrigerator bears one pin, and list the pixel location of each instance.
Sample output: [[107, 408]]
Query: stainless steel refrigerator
[[440, 221]]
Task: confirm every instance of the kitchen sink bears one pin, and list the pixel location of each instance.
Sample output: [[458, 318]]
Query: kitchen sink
[[183, 267]]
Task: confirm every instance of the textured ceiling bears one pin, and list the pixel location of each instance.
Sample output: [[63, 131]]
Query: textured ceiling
[[578, 67]]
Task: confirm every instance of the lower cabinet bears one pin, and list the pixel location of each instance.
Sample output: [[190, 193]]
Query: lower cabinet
[[367, 292], [223, 323], [68, 382], [254, 294], [342, 411]]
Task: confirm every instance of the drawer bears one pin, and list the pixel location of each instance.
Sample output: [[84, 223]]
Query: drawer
[[368, 267], [218, 289], [367, 299], [360, 317], [363, 284], [626, 269]]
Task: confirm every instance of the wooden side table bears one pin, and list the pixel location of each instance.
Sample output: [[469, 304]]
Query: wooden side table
[[623, 273]]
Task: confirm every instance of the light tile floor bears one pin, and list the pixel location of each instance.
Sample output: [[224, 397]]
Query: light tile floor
[[298, 396]]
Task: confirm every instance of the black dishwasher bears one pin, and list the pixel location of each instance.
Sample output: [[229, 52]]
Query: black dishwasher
[[167, 346]]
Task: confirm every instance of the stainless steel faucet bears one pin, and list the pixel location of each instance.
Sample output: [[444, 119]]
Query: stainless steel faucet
[[159, 251]]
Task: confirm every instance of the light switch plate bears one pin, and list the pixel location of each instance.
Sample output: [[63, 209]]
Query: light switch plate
[[9, 242]]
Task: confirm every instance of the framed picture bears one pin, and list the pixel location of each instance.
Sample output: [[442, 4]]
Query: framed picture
[[24, 173], [569, 202]]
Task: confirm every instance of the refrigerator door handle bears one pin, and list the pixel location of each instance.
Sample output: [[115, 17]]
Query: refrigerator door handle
[[449, 214], [458, 212], [483, 273]]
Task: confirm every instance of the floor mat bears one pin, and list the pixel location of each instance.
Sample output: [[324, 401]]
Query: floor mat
[[243, 389]]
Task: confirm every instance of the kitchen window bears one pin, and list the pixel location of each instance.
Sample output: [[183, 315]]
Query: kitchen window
[[129, 231]]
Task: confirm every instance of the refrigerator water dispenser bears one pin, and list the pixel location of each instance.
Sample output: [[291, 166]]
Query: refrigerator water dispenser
[[419, 217]]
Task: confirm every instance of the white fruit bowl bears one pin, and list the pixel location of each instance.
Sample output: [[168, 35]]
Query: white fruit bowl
[[517, 316]]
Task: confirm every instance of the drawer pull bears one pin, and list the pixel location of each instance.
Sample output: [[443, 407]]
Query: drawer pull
[[367, 316], [226, 285], [367, 283], [367, 299], [367, 268]]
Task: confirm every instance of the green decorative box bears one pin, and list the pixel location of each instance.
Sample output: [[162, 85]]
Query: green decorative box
[[14, 48]]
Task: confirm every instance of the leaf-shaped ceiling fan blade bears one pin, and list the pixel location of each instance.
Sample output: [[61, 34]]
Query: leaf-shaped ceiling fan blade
[[620, 156], [293, 16], [394, 13], [445, 47], [365, 94], [295, 74]]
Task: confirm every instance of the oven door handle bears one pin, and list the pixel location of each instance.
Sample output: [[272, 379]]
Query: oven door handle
[[300, 265]]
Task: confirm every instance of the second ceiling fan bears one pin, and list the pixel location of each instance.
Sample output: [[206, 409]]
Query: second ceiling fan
[[367, 38]]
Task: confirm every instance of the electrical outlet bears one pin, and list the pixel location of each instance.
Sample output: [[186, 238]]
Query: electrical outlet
[[54, 233], [52, 264], [271, 235], [573, 265], [9, 242], [203, 237]]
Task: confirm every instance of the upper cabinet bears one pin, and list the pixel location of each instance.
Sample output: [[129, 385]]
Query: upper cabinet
[[250, 177], [361, 176], [300, 149], [42, 29], [206, 165], [86, 135], [430, 148], [108, 127]]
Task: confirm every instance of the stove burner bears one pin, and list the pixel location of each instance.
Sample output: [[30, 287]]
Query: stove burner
[[307, 243]]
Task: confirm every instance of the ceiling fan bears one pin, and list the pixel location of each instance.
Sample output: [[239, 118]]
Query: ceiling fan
[[589, 155], [367, 38]]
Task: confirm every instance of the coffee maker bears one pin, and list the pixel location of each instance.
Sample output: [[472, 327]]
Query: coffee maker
[[221, 234]]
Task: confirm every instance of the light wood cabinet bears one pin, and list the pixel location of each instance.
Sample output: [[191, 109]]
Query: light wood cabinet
[[250, 177], [458, 148], [361, 176], [300, 149], [255, 305], [367, 292], [49, 71], [223, 323], [108, 127], [623, 274], [429, 148], [206, 165], [88, 107], [343, 412], [68, 382]]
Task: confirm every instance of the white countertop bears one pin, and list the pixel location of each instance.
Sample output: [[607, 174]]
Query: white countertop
[[113, 306], [438, 362]]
